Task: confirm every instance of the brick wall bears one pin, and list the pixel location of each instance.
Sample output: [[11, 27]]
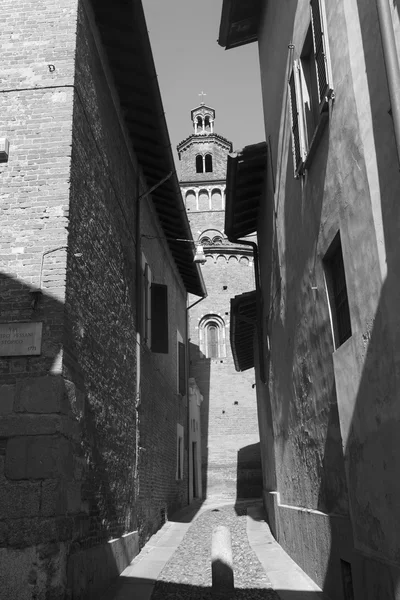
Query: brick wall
[[211, 144], [69, 427], [37, 433], [230, 452]]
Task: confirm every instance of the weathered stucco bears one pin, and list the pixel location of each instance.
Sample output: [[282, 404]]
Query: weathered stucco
[[333, 414]]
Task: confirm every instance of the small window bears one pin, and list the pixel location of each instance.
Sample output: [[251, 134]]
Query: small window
[[337, 293], [159, 311], [208, 163], [199, 164], [179, 452]]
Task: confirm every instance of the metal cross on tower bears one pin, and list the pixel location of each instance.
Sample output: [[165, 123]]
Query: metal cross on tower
[[202, 99]]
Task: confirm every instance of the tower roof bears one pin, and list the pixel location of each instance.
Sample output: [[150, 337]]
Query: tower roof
[[202, 109]]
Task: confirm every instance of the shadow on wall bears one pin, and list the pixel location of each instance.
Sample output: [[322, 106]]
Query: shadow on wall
[[199, 368], [86, 510], [248, 472]]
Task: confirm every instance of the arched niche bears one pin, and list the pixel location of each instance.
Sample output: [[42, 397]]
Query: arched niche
[[190, 200], [204, 200], [216, 199]]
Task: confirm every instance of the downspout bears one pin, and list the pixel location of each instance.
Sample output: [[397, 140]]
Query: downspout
[[391, 64]]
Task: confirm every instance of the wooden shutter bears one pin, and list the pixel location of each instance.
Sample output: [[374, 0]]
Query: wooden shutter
[[297, 116], [182, 368], [322, 64], [159, 313]]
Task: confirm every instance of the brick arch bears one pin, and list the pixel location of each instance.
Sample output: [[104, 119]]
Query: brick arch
[[212, 336], [210, 234]]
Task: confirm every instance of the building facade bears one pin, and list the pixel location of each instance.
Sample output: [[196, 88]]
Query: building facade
[[93, 286], [229, 431], [328, 224]]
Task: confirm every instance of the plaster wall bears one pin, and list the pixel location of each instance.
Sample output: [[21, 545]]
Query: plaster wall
[[334, 413]]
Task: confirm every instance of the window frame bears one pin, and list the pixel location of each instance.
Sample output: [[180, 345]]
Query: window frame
[[205, 323], [302, 89], [332, 275]]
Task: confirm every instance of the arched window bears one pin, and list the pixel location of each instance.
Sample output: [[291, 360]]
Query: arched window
[[212, 336], [208, 163], [212, 340], [207, 123], [205, 241], [199, 164]]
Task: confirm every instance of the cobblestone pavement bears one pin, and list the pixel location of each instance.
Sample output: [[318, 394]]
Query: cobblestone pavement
[[187, 575]]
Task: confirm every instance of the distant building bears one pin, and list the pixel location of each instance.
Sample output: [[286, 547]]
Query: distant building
[[327, 217], [229, 450], [93, 290]]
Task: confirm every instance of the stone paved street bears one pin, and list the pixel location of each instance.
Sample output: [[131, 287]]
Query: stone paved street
[[176, 562]]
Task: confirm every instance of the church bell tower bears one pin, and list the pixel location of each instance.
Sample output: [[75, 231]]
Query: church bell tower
[[229, 424]]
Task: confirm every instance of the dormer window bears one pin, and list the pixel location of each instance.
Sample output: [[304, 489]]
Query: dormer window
[[199, 164], [208, 163]]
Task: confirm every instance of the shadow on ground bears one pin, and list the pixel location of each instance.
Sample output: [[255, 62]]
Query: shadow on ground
[[170, 591]]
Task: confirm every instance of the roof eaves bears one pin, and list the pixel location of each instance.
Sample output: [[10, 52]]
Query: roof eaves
[[239, 22]]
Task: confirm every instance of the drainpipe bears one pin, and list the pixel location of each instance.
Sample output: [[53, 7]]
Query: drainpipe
[[391, 63]]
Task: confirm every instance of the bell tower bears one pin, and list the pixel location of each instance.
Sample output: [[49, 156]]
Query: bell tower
[[229, 426]]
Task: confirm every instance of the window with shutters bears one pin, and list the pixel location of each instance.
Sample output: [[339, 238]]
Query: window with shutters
[[310, 89], [337, 293], [159, 318], [146, 302], [181, 370]]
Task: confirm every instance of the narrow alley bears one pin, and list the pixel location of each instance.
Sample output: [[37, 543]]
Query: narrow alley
[[199, 300]]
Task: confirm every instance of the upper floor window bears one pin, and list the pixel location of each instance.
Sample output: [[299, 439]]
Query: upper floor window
[[212, 336], [199, 164], [310, 89], [337, 293], [208, 163]]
